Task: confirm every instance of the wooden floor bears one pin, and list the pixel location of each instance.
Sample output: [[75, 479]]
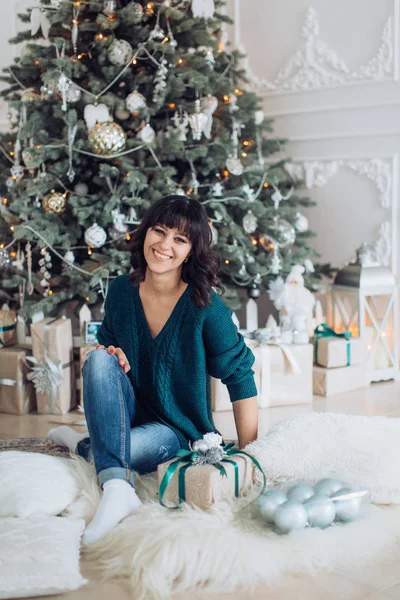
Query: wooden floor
[[373, 582]]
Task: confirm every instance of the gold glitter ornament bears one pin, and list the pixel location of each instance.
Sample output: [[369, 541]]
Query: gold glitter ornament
[[54, 202], [107, 138]]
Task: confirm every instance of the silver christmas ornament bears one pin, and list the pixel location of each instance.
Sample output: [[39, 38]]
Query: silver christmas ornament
[[285, 233], [147, 134], [328, 486], [268, 502], [119, 52], [119, 221], [135, 102], [95, 236], [197, 121], [290, 516], [347, 510], [17, 172], [301, 222], [4, 258], [320, 511], [217, 190], [234, 166], [300, 492], [81, 189], [74, 94], [135, 12], [248, 192], [250, 222], [157, 33]]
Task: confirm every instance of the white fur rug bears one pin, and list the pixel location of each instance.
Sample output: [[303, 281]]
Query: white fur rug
[[164, 552]]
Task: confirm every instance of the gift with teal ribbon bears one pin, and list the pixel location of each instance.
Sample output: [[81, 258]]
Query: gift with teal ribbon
[[210, 453], [325, 332], [8, 327]]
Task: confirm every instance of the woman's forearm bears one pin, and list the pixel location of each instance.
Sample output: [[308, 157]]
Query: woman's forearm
[[246, 420]]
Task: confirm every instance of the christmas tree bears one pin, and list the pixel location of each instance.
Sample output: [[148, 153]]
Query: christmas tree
[[114, 104]]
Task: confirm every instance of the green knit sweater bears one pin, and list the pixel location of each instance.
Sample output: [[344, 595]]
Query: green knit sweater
[[170, 372]]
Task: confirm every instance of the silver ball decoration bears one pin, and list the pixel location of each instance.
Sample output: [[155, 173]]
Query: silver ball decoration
[[254, 291], [268, 502], [289, 516], [135, 12], [81, 189], [328, 486], [135, 102], [286, 233], [300, 492], [119, 52], [95, 236], [4, 258], [347, 510], [320, 511], [250, 222]]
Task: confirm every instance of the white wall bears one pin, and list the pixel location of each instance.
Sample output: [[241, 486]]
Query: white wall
[[328, 74]]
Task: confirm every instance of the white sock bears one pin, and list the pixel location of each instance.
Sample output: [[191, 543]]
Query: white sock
[[119, 500], [66, 436]]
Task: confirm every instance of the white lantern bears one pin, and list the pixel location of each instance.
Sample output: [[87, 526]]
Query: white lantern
[[363, 300]]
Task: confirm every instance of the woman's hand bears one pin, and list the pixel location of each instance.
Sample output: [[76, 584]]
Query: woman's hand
[[123, 361]]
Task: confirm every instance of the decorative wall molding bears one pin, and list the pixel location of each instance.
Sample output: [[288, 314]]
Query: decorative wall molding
[[315, 66], [381, 171]]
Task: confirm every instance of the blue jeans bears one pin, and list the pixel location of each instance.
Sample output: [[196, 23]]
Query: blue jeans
[[122, 437]]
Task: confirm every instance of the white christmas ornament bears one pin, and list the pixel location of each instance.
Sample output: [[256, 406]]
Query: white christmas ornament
[[81, 189], [250, 222], [309, 267], [217, 190], [119, 221], [234, 165], [248, 192], [135, 102], [69, 256], [208, 105], [203, 9], [301, 222], [95, 114], [259, 117], [147, 134], [197, 121], [181, 121], [95, 236], [119, 52]]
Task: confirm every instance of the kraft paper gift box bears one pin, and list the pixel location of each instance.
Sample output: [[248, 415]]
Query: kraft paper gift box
[[291, 374], [332, 352], [52, 347], [17, 394], [8, 328], [204, 484], [83, 353], [219, 392], [329, 382]]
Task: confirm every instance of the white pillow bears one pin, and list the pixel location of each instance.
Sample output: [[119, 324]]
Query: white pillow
[[35, 484], [39, 556]]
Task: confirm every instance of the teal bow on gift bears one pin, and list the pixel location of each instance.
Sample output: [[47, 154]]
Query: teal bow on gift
[[6, 328], [323, 331], [191, 459]]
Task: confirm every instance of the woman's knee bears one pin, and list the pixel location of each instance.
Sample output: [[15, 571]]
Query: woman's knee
[[151, 445], [99, 362]]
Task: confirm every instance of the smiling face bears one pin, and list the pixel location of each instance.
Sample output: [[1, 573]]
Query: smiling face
[[165, 249]]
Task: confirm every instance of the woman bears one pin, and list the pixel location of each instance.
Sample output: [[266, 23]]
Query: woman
[[145, 387]]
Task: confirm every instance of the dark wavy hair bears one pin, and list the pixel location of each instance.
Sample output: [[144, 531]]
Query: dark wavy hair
[[189, 217]]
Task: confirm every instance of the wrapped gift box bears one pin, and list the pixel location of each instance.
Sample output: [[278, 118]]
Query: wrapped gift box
[[8, 328], [52, 339], [291, 374], [332, 352], [17, 394], [329, 382], [219, 392], [83, 352], [204, 484]]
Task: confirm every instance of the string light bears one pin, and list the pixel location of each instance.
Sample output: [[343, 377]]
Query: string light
[[50, 292], [87, 298], [89, 250], [254, 241], [227, 262], [100, 37], [180, 61], [244, 154], [134, 61], [171, 105], [238, 92], [127, 237], [226, 98], [12, 228], [37, 62], [165, 40], [266, 184], [225, 173], [5, 200]]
